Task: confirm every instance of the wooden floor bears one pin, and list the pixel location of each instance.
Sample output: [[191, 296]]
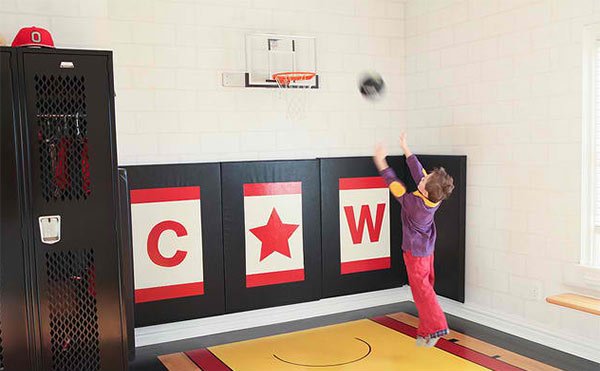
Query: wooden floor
[[178, 361], [481, 346], [353, 346], [510, 350]]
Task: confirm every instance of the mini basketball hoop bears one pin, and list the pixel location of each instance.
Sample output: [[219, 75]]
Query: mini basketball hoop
[[295, 93]]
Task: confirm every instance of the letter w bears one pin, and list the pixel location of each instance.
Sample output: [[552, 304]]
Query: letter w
[[357, 229]]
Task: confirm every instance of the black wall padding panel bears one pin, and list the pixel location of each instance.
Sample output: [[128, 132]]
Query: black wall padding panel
[[449, 220], [127, 261], [246, 189], [247, 269], [334, 282], [207, 178]]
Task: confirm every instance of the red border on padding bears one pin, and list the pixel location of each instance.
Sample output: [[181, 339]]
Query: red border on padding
[[362, 183], [141, 196], [207, 361], [450, 347], [366, 265], [169, 292], [270, 189], [274, 278]]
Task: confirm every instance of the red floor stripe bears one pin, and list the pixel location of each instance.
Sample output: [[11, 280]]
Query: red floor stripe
[[450, 347], [207, 361]]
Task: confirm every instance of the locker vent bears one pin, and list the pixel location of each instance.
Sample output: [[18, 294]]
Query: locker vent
[[74, 335], [62, 137]]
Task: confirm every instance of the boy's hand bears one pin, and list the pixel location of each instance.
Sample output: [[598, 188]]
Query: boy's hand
[[404, 145], [403, 142], [380, 152], [379, 157]]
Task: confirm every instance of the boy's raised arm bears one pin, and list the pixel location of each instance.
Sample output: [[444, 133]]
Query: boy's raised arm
[[404, 145], [379, 158], [416, 169], [394, 184]]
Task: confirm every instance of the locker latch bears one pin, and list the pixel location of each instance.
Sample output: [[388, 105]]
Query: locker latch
[[50, 229]]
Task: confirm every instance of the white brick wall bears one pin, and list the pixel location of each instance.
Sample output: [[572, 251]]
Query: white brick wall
[[497, 80], [510, 74], [169, 54]]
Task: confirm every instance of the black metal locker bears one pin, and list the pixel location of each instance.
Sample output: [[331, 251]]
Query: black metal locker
[[15, 345], [70, 210]]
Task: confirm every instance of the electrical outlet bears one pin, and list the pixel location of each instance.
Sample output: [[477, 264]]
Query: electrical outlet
[[535, 292]]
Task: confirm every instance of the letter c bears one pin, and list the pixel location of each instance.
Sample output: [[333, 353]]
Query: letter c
[[152, 245]]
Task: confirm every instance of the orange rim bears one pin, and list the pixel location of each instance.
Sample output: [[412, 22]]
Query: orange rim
[[286, 78]]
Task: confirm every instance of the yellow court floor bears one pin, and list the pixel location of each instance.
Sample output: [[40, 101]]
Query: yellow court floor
[[353, 346], [384, 343]]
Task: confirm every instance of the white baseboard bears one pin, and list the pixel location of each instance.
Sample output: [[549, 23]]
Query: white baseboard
[[263, 317]]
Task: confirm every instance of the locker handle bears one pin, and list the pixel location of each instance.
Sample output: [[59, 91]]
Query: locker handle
[[50, 229]]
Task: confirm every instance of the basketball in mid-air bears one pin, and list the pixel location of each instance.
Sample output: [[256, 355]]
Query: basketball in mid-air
[[371, 85]]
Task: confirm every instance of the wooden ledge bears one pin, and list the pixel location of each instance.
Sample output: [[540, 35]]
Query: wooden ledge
[[582, 303]]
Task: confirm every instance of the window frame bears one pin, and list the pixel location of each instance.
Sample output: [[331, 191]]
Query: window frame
[[590, 234]]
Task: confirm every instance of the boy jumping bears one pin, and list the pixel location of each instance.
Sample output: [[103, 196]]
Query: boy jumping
[[418, 235]]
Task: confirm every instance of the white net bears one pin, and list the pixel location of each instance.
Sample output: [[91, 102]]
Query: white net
[[294, 89]]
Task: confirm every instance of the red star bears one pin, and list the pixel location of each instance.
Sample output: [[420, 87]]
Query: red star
[[274, 236]]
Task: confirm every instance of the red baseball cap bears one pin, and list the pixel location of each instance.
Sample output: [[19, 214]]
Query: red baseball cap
[[33, 36]]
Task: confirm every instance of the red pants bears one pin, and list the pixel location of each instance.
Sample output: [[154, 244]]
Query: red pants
[[421, 276]]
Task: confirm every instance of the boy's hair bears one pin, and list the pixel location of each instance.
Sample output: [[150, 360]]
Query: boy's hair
[[439, 186]]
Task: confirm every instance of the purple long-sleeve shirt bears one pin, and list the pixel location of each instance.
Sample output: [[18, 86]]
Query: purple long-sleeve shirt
[[418, 226]]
